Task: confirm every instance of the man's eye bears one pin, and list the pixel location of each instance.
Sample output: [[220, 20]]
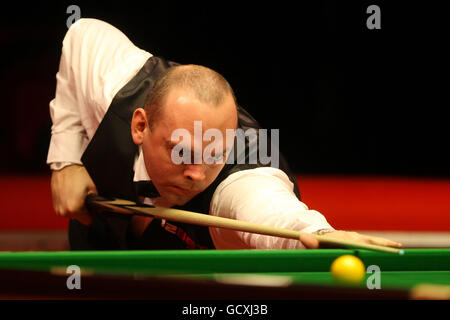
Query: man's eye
[[216, 158]]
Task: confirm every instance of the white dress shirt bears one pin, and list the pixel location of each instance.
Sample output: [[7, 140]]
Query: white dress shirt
[[97, 60]]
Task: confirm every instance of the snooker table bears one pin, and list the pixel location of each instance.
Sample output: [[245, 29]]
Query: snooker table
[[221, 274]]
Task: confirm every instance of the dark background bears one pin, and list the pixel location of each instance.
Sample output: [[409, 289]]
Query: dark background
[[347, 100]]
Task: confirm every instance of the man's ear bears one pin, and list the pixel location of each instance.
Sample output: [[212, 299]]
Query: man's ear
[[138, 126]]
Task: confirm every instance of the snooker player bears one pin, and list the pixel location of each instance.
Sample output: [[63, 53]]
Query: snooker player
[[115, 110]]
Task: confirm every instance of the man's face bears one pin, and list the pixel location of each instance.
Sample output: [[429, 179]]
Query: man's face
[[178, 183]]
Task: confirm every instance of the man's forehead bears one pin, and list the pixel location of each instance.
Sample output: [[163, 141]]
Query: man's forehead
[[184, 112]]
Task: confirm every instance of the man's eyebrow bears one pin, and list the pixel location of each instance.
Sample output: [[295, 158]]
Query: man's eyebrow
[[171, 144]]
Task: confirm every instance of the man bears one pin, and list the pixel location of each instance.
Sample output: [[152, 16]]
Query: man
[[116, 112]]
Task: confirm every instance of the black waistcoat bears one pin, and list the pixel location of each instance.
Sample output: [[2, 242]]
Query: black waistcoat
[[109, 160]]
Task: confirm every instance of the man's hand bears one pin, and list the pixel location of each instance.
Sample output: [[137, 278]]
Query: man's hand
[[70, 186], [312, 243]]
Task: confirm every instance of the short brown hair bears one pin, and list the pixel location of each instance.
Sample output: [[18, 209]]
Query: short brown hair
[[207, 85]]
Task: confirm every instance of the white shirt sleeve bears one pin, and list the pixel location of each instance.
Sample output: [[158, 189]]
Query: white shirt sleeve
[[97, 60], [263, 196]]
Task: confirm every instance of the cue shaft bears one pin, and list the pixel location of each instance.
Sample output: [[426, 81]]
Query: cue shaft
[[183, 216]]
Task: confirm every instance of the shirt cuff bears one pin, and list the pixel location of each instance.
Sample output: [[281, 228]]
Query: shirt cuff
[[66, 147], [55, 166], [315, 228]]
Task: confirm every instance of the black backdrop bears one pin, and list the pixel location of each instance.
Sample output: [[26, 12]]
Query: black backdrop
[[347, 100]]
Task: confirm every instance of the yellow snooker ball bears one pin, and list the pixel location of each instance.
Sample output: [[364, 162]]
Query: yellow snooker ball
[[348, 269]]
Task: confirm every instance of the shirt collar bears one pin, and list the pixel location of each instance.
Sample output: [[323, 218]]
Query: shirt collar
[[140, 172]]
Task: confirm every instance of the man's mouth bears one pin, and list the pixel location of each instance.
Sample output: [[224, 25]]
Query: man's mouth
[[180, 190]]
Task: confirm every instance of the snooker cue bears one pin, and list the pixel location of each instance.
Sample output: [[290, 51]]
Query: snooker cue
[[127, 207]]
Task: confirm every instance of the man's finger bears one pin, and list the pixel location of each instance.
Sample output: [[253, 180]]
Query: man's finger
[[382, 242], [84, 217]]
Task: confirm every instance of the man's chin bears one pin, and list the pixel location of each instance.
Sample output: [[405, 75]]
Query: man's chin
[[172, 200]]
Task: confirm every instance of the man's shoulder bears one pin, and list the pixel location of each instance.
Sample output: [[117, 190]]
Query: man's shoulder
[[85, 24], [89, 31]]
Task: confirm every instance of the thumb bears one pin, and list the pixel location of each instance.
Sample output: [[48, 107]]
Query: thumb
[[309, 241], [84, 217]]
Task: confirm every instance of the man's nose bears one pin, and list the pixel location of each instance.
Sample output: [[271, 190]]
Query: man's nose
[[194, 172]]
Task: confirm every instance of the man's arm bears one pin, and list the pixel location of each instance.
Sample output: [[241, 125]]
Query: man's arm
[[70, 182], [265, 196], [96, 61]]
